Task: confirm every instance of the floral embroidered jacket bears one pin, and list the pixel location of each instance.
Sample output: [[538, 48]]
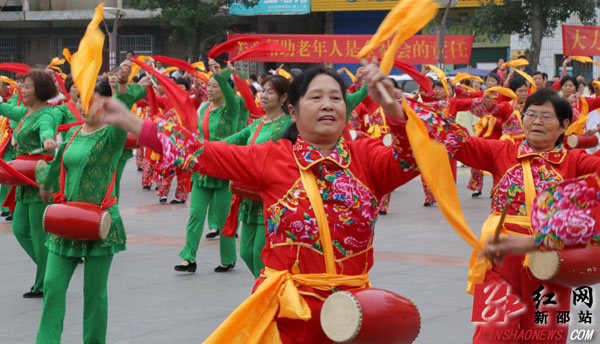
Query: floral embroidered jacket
[[351, 180], [503, 160]]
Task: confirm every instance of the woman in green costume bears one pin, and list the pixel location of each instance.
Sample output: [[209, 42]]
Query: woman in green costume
[[63, 114], [35, 133], [219, 118], [270, 127], [90, 161]]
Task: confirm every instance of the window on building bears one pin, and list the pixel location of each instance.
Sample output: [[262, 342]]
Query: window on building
[[139, 44], [57, 44], [11, 50]]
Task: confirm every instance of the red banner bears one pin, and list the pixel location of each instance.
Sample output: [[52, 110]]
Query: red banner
[[419, 49], [581, 40]]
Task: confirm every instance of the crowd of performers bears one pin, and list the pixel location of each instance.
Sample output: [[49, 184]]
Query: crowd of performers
[[334, 155]]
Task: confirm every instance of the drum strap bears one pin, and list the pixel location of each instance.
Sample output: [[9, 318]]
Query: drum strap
[[205, 122], [59, 197], [255, 136]]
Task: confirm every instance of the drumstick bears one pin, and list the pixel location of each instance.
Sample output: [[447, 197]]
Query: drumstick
[[387, 98], [36, 151], [501, 222]]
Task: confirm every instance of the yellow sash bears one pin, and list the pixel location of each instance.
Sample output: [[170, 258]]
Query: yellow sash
[[253, 322], [578, 126], [375, 131], [478, 266], [487, 123]]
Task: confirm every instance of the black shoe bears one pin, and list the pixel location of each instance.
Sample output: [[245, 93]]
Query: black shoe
[[176, 201], [33, 295], [427, 204], [9, 218], [491, 196], [189, 267], [162, 200], [5, 213], [140, 169], [382, 212], [212, 234], [225, 268], [476, 194], [147, 187], [156, 188], [80, 260]]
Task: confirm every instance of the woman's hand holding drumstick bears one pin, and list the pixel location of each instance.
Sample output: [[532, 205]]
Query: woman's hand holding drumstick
[[378, 81]]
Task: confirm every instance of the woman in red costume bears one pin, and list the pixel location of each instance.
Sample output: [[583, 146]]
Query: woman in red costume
[[520, 171], [320, 207]]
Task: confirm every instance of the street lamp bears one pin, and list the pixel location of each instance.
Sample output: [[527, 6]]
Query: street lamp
[[112, 35], [441, 30]]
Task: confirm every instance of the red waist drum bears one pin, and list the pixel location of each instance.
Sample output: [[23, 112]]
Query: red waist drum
[[23, 168], [131, 142], [569, 267], [77, 221], [245, 191], [371, 315], [581, 141]]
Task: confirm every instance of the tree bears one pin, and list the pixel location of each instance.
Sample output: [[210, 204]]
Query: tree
[[195, 22], [538, 18]]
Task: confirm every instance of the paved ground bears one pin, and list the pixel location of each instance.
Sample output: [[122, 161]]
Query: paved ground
[[417, 255]]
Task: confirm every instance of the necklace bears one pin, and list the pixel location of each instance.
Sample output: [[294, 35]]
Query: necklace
[[85, 132], [274, 119]]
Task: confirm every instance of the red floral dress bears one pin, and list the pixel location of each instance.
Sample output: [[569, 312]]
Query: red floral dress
[[351, 180], [503, 159]]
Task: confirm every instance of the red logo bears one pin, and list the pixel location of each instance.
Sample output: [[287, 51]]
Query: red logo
[[493, 303]]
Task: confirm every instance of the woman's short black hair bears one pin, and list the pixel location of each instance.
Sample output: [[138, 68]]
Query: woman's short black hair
[[561, 106], [184, 82], [568, 78], [516, 83], [300, 84], [298, 90], [103, 88], [43, 84], [494, 76], [437, 83]]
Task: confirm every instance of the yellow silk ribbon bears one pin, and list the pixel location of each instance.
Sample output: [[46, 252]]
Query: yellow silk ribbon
[[442, 77], [135, 68], [200, 65], [86, 62], [314, 196], [578, 126], [254, 321], [349, 73], [515, 63], [284, 73], [478, 266], [487, 123], [67, 54], [502, 90], [585, 59], [434, 165], [465, 76], [375, 131], [528, 78]]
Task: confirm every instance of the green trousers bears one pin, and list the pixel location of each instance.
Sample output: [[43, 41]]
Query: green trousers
[[95, 299], [3, 192], [252, 241], [217, 201], [28, 229]]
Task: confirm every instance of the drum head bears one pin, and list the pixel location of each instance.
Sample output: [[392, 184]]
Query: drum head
[[41, 164], [353, 134], [572, 141], [544, 265], [104, 225], [387, 140], [341, 317]]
